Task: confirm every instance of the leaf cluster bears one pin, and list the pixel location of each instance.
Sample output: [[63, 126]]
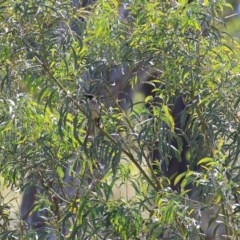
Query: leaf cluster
[[54, 53]]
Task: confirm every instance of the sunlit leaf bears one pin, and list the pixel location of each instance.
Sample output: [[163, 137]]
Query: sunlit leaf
[[60, 172]]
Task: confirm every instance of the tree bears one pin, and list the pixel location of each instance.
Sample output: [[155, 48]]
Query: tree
[[53, 54]]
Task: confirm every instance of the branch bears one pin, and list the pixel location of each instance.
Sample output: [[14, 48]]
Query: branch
[[101, 130]]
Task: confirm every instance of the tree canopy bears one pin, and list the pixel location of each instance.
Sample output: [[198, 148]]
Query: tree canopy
[[53, 53]]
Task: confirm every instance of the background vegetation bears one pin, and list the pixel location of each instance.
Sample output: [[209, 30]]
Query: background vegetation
[[53, 52]]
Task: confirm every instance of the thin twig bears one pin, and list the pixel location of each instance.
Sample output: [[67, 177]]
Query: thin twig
[[101, 130]]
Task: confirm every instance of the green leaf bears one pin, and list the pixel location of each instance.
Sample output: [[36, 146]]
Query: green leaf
[[60, 172], [183, 2], [167, 117], [179, 178], [205, 160]]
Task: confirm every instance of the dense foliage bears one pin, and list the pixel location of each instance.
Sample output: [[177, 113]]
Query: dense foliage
[[53, 52]]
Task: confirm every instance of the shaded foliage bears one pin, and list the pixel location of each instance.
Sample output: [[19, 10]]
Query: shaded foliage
[[53, 53]]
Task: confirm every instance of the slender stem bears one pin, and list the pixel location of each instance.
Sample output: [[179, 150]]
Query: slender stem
[[131, 157]]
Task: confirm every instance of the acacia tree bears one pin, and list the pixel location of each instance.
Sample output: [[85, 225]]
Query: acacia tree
[[53, 53]]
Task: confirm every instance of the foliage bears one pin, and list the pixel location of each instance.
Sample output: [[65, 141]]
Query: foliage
[[53, 53]]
